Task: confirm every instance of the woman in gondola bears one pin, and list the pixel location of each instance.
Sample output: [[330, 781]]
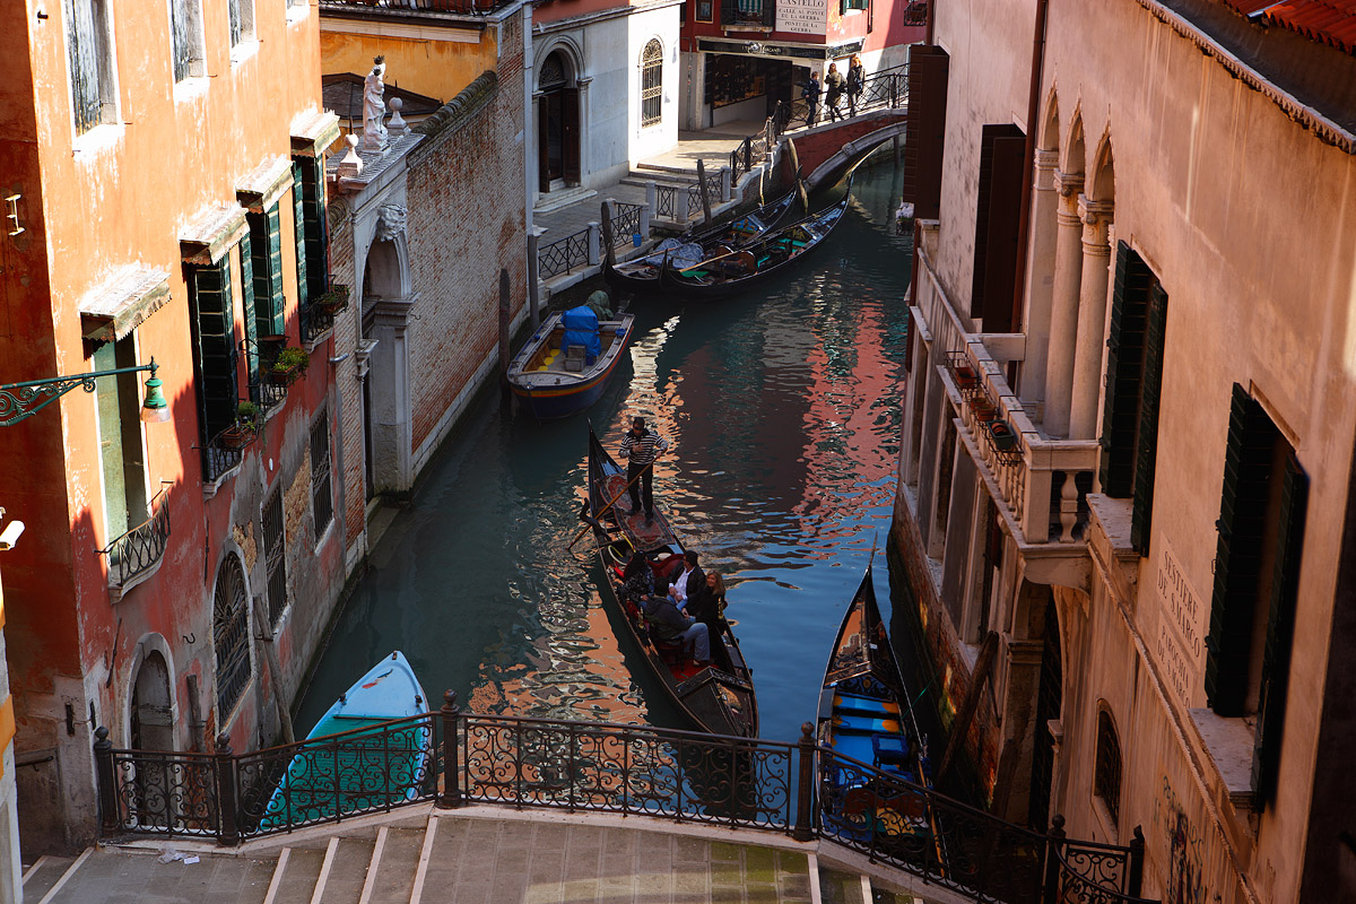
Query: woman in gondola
[[638, 580]]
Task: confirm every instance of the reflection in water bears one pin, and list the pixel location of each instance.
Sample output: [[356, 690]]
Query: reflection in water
[[782, 411]]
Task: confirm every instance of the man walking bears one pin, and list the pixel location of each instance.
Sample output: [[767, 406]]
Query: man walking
[[640, 449], [810, 91]]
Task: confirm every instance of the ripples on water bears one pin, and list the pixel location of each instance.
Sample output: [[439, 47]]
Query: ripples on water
[[783, 416]]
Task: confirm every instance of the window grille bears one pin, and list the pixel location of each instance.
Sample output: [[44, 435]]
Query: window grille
[[1107, 777], [652, 84], [321, 493], [274, 555], [230, 636]]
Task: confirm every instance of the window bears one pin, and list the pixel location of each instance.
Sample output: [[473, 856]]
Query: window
[[241, 18], [186, 25], [1001, 152], [321, 494], [214, 334], [854, 4], [652, 84], [120, 446], [705, 11], [89, 49], [1106, 781], [270, 305], [230, 637], [1134, 377], [275, 555], [312, 229], [299, 227], [1252, 610], [925, 131]]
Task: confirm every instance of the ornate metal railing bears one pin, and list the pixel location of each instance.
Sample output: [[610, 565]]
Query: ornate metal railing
[[752, 150], [563, 255], [626, 220], [457, 759], [881, 90], [463, 7], [141, 548], [666, 203], [218, 457], [314, 321], [267, 394]]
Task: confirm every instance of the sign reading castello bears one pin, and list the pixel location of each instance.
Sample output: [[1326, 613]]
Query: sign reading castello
[[803, 17]]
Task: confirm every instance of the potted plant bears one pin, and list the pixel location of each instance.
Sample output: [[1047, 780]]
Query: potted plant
[[1004, 440], [333, 300], [982, 408], [249, 420], [289, 365]]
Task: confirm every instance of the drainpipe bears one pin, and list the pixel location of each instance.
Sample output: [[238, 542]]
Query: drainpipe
[[1033, 106]]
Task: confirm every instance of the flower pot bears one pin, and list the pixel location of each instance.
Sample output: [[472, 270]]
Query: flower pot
[[238, 436], [1004, 440]]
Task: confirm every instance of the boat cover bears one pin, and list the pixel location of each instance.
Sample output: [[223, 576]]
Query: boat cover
[[581, 328], [680, 254]]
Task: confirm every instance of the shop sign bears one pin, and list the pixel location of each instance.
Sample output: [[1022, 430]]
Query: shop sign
[[803, 17]]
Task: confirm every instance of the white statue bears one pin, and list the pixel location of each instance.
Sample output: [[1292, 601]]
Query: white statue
[[374, 107]]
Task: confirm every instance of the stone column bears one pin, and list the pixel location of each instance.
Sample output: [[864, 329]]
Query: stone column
[[1087, 374], [1040, 276], [1063, 304]]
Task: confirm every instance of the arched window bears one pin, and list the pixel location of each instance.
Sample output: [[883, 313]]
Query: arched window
[[230, 636], [652, 83], [1106, 782]]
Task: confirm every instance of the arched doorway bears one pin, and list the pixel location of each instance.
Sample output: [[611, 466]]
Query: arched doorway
[[1049, 703], [152, 719], [557, 124], [386, 391]]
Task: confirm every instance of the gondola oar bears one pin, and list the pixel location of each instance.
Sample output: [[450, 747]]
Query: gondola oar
[[604, 510]]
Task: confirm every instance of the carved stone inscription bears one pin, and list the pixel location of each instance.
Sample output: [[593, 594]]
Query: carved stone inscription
[[1181, 632]]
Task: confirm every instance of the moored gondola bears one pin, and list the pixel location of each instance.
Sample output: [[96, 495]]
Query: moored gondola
[[718, 696], [866, 715], [641, 274], [565, 364], [737, 269]]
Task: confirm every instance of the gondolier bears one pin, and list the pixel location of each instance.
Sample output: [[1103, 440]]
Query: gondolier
[[640, 448]]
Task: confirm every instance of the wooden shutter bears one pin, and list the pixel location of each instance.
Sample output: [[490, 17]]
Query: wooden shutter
[[1002, 148], [1146, 446], [1243, 507], [1280, 629], [248, 297], [924, 140], [214, 326], [270, 304], [544, 145], [570, 137], [1124, 372], [316, 228], [299, 222]]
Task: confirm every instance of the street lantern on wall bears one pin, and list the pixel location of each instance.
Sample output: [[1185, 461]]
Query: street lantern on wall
[[19, 401]]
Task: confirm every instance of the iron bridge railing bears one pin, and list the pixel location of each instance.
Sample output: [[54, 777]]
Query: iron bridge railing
[[455, 759]]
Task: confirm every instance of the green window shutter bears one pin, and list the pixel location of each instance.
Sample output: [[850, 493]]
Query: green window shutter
[[247, 294], [270, 312], [1146, 450], [299, 220], [214, 333], [316, 225], [1280, 629], [1124, 372], [1243, 506]]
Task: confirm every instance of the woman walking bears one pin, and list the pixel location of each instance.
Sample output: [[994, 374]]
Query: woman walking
[[856, 80]]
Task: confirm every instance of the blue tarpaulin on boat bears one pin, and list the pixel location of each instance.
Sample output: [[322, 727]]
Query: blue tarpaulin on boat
[[581, 328]]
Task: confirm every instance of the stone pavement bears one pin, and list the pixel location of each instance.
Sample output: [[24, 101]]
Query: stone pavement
[[478, 855]]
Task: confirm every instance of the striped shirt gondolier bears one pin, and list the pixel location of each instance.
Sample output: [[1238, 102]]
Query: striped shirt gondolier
[[642, 450]]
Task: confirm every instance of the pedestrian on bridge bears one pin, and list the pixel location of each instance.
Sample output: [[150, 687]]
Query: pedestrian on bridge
[[833, 88], [856, 80], [810, 91]]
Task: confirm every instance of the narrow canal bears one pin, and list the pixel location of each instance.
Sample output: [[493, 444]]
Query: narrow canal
[[782, 413]]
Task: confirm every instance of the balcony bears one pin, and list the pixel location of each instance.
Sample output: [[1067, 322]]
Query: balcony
[[751, 13], [1040, 484], [456, 7], [136, 555]]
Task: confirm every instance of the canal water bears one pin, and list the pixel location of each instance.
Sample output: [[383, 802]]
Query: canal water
[[782, 414]]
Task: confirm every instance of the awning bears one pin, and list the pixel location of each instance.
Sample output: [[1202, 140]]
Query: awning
[[209, 235], [262, 188], [313, 133], [120, 303]]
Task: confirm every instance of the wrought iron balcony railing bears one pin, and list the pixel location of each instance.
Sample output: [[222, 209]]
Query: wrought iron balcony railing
[[136, 555], [220, 455]]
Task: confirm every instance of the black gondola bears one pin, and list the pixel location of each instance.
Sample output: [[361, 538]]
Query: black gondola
[[642, 274], [718, 697], [866, 714], [736, 270]]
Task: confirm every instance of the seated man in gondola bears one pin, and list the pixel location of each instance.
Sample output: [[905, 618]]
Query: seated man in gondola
[[668, 625]]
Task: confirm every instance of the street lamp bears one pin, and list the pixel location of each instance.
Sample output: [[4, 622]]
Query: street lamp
[[23, 400]]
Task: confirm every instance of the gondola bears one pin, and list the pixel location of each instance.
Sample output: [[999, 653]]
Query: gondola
[[642, 274], [718, 697], [371, 764], [553, 379], [736, 270], [866, 714]]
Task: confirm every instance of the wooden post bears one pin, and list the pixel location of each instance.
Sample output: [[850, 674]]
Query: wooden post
[[504, 311], [274, 670], [609, 253], [706, 199]]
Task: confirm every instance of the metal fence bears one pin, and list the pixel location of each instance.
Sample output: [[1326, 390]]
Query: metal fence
[[626, 222], [455, 759], [563, 255], [884, 89]]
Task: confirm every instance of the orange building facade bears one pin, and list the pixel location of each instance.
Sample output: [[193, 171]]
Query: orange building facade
[[165, 175]]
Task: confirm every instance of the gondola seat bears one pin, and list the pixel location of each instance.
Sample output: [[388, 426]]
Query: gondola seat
[[891, 752]]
